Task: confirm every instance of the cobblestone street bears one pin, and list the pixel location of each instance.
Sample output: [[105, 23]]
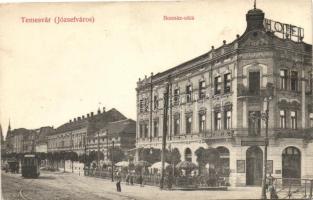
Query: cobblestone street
[[66, 186]]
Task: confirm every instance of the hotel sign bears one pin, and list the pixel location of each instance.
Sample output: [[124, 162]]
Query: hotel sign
[[287, 31]]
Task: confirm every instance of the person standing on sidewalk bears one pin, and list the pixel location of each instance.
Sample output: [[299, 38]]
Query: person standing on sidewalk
[[118, 182]]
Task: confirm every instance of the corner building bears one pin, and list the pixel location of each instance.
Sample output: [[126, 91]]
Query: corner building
[[216, 100]]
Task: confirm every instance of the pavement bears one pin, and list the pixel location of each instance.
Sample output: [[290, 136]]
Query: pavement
[[68, 186]]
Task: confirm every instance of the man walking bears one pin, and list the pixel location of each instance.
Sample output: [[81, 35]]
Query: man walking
[[118, 182]]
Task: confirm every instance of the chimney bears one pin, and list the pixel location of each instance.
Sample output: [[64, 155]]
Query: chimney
[[74, 119], [70, 121], [78, 118], [99, 111], [88, 115], [103, 109], [91, 114], [83, 116]]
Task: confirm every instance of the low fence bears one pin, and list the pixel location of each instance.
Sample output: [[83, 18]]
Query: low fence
[[155, 179], [294, 188]]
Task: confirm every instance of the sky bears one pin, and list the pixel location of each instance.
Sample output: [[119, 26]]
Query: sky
[[51, 73]]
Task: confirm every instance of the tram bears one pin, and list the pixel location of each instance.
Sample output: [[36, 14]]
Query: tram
[[30, 166]]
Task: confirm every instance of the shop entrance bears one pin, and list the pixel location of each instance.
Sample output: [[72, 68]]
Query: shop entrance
[[254, 159], [291, 170]]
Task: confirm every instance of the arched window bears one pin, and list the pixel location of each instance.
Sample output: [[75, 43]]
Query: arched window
[[291, 165]]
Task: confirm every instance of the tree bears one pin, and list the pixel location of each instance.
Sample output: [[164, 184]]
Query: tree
[[205, 156], [118, 154], [150, 155]]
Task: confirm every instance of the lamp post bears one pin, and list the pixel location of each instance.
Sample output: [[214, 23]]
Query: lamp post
[[265, 117], [112, 158]]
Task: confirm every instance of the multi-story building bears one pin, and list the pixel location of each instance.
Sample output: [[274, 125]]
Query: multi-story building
[[41, 141], [72, 136], [20, 140], [216, 100], [122, 132]]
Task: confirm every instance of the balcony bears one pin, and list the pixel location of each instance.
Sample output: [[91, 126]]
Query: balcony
[[244, 92]]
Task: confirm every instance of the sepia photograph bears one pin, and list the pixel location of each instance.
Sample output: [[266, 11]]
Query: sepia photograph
[[146, 100]]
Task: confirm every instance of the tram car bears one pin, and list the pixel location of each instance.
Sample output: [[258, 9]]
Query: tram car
[[30, 166]]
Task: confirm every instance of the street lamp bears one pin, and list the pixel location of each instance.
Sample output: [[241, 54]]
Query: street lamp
[[264, 117]]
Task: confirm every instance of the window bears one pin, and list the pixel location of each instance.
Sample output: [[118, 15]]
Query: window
[[217, 85], [282, 114], [293, 115], [201, 122], [254, 83], [156, 127], [188, 93], [294, 81], [146, 106], [176, 124], [188, 124], [176, 96], [218, 121], [146, 130], [254, 125], [311, 119], [155, 102], [201, 89], [141, 106], [227, 119], [283, 79], [227, 83]]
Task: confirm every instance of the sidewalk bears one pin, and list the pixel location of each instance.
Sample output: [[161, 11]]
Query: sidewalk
[[152, 192]]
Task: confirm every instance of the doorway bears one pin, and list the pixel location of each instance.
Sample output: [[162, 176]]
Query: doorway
[[254, 159], [291, 166]]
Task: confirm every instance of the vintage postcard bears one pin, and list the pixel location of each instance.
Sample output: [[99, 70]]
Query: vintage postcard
[[148, 100]]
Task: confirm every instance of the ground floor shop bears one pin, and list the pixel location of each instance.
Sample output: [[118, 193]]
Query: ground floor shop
[[242, 163]]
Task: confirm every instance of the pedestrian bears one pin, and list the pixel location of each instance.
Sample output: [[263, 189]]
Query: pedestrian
[[118, 182], [141, 180], [131, 178], [127, 178]]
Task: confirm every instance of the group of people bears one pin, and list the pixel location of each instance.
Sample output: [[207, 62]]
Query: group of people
[[270, 187]]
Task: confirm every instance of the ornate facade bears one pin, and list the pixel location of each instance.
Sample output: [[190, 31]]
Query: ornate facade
[[217, 100]]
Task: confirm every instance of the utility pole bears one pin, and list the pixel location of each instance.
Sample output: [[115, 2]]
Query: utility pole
[[98, 149], [151, 98], [164, 135], [107, 134], [112, 157]]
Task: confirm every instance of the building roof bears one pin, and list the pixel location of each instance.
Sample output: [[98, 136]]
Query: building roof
[[91, 122], [127, 126]]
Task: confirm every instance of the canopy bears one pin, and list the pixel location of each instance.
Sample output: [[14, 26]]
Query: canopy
[[158, 165], [142, 163], [122, 164], [186, 165]]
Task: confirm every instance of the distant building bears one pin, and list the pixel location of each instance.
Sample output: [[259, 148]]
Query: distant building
[[122, 132], [72, 136], [3, 144], [41, 138]]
